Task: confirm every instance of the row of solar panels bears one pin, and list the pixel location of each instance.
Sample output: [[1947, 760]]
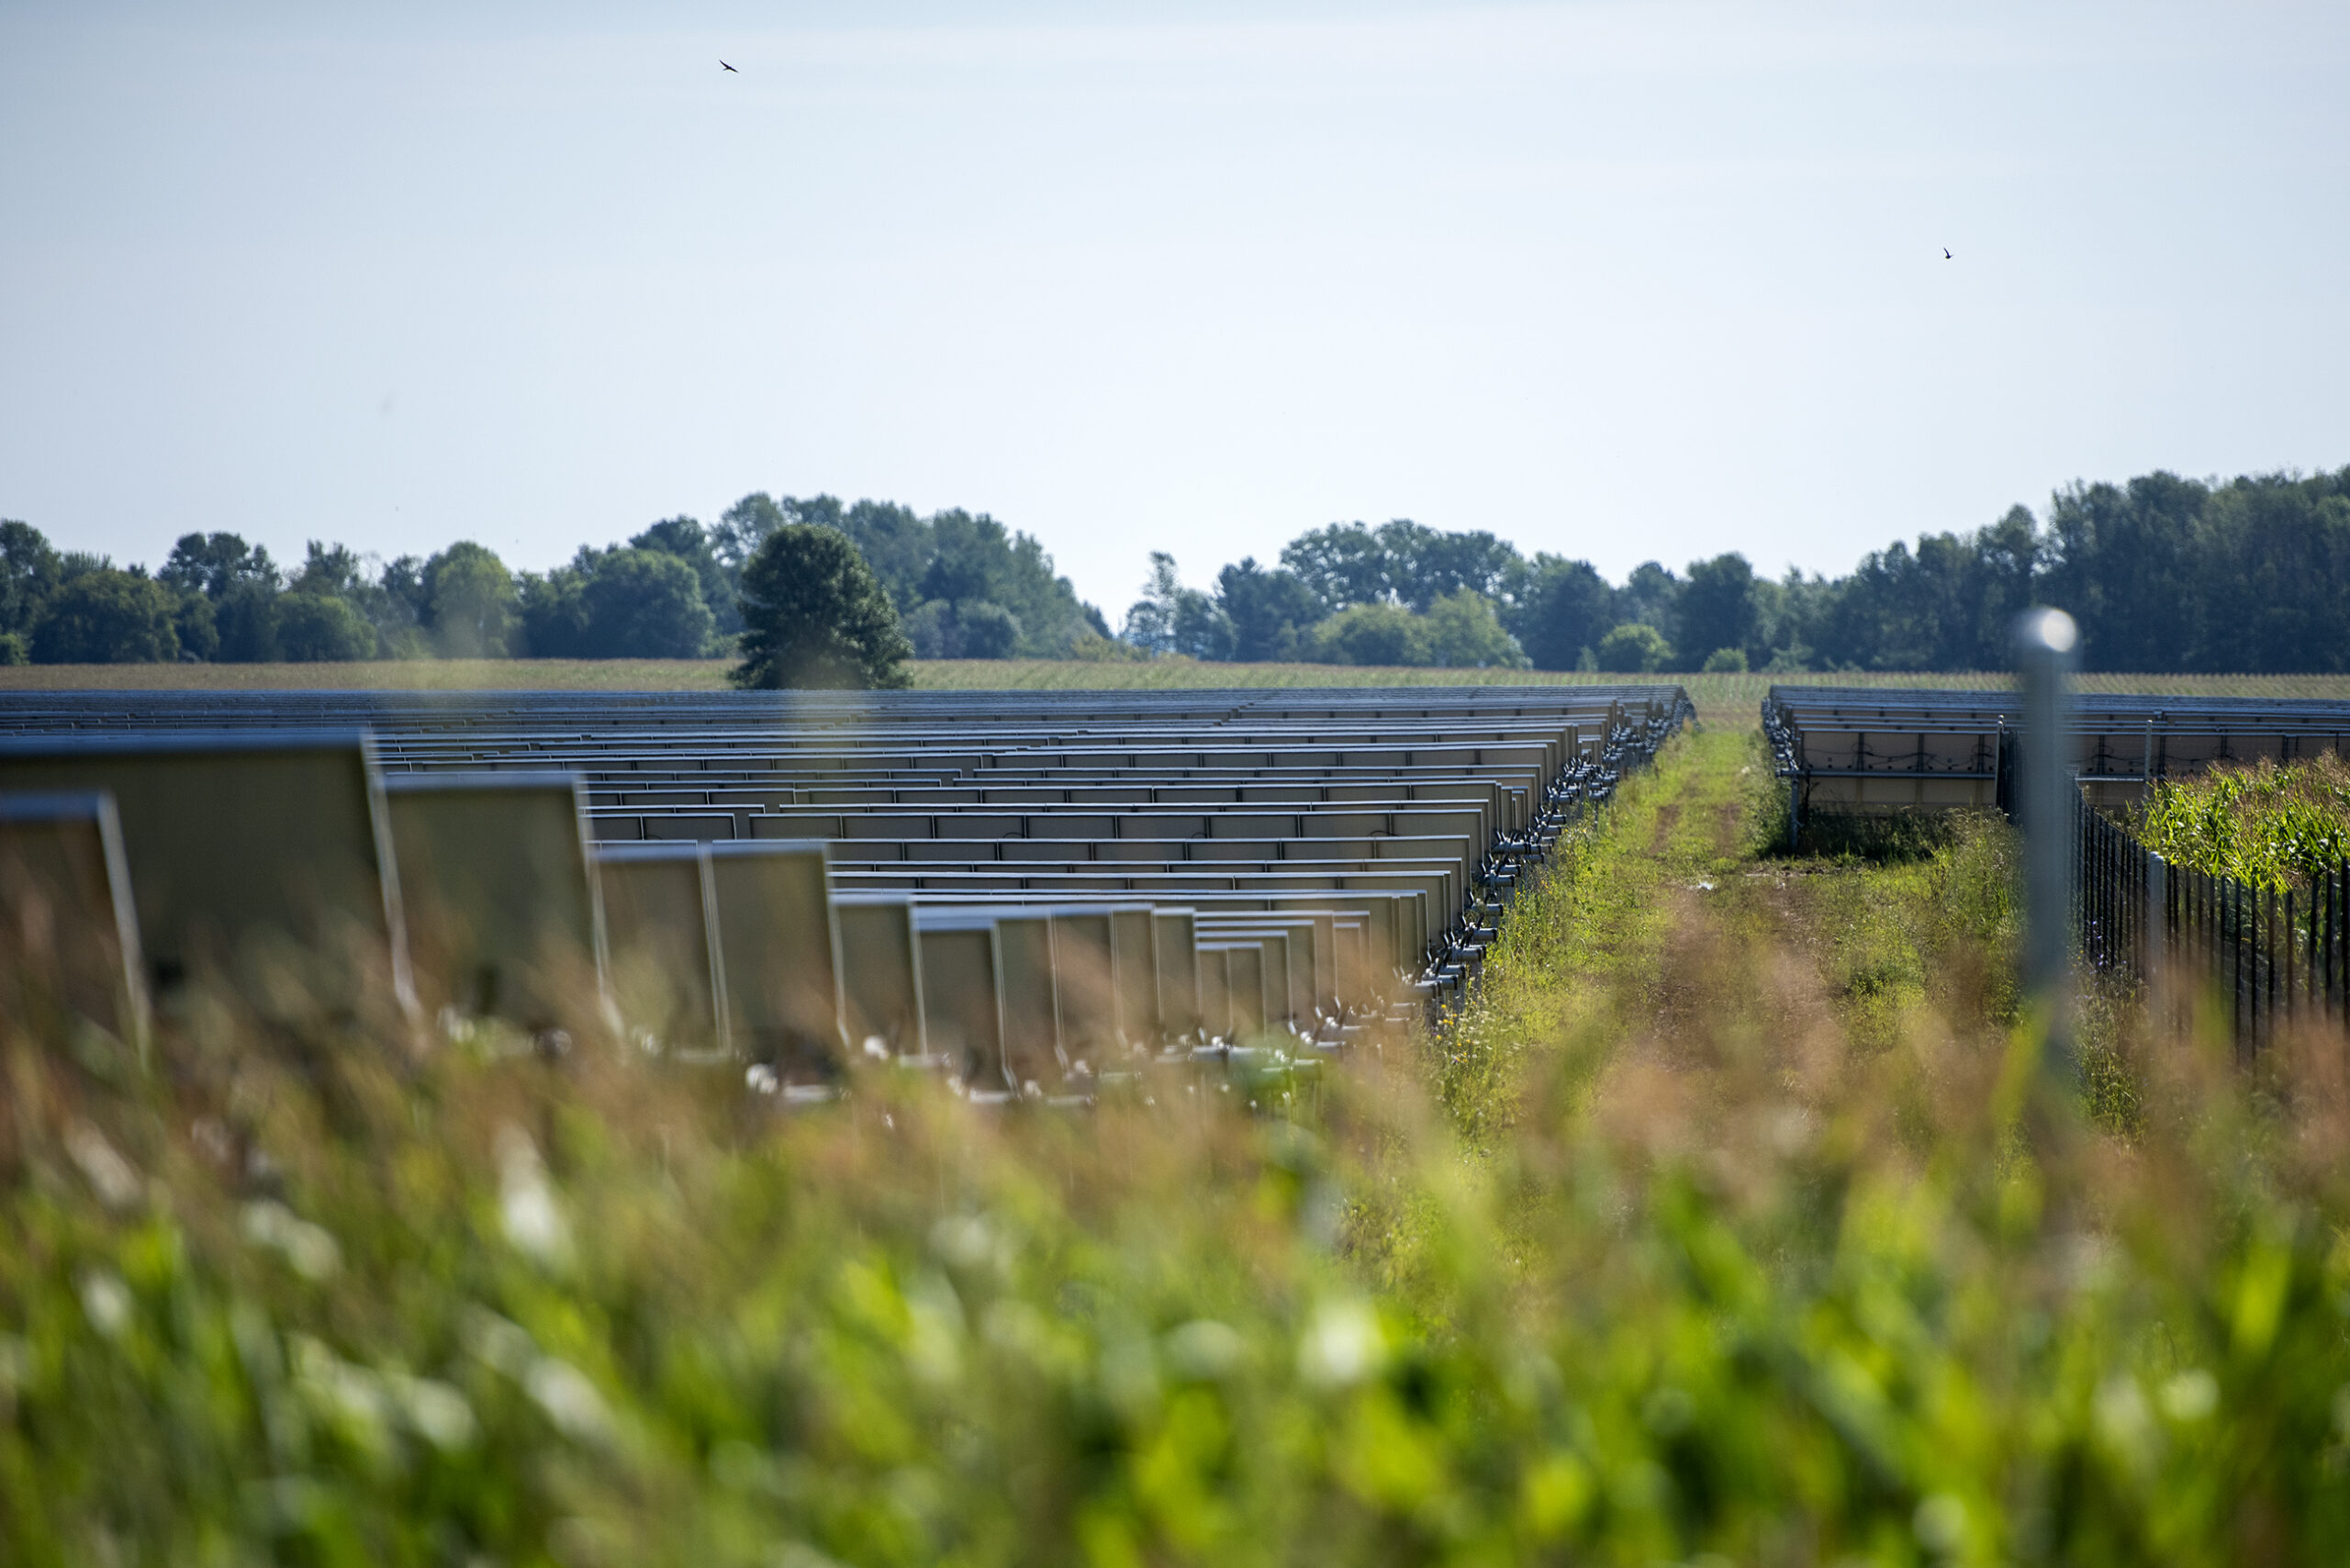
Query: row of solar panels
[[1021, 949], [417, 708], [1851, 748]]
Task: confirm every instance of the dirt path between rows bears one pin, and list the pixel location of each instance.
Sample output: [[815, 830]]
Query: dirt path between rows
[[1663, 942]]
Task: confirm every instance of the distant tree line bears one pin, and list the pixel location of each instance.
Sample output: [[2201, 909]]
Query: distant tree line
[[960, 584], [2164, 574]]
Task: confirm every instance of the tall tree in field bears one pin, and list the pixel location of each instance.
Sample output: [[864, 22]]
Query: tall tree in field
[[31, 569], [471, 600], [1343, 564], [642, 603], [696, 548], [1717, 610], [1564, 609], [1425, 565], [1172, 618], [814, 615], [1270, 613], [215, 563]]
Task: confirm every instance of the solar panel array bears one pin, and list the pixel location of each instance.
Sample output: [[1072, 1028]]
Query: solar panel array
[[1025, 890], [1855, 749]]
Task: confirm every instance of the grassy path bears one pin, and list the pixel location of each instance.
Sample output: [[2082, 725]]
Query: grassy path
[[1589, 952], [1664, 935]]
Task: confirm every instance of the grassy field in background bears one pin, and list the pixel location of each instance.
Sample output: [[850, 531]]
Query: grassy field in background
[[1715, 694]]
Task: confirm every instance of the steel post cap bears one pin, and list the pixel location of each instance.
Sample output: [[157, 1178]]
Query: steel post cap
[[2045, 630]]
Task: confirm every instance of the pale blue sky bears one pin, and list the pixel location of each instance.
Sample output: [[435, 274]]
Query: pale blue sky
[[1618, 281]]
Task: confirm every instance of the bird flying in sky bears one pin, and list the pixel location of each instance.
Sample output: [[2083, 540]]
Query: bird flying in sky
[[723, 66], [1946, 252]]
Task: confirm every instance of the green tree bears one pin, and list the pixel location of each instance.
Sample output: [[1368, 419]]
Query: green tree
[[688, 541], [976, 557], [1425, 565], [1718, 607], [246, 616], [471, 602], [955, 557], [337, 571], [239, 586], [894, 540], [972, 629], [403, 578], [1463, 632], [215, 563], [989, 631], [1635, 648], [1172, 619], [1374, 635], [741, 528], [1343, 564], [551, 609], [1562, 612], [1270, 613], [30, 570], [107, 617], [645, 604], [1652, 595], [321, 628], [195, 625], [813, 615]]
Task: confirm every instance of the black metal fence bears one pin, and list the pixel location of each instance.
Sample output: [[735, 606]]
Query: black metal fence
[[2271, 957]]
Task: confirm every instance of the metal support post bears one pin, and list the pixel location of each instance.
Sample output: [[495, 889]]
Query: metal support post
[[2045, 640]]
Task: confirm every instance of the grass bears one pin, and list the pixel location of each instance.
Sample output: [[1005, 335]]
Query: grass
[[1676, 908], [1716, 1232], [1583, 953], [1726, 696]]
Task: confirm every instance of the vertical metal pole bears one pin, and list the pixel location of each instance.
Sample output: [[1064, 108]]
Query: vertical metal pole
[[2154, 926], [2232, 923], [2233, 894], [2268, 947], [2293, 975], [2312, 990], [2045, 640]]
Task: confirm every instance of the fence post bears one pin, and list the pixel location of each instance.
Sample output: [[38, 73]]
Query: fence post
[[2044, 642], [2336, 945], [2293, 971], [2153, 926], [2233, 894]]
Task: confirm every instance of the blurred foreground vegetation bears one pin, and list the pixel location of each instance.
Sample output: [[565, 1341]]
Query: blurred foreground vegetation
[[1710, 1235]]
